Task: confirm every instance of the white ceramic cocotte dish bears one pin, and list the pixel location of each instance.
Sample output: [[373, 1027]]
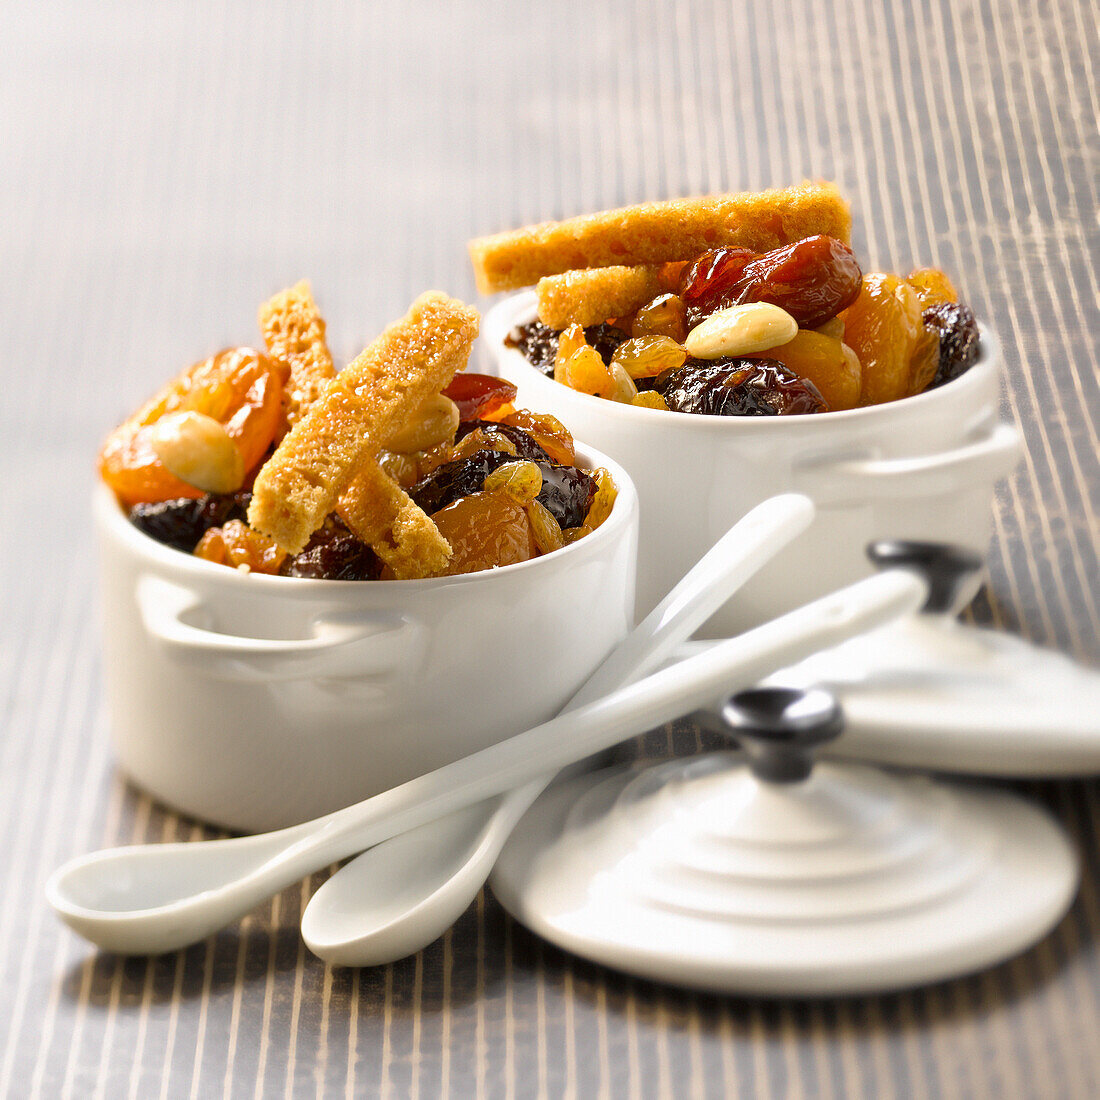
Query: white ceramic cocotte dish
[[256, 702], [923, 467]]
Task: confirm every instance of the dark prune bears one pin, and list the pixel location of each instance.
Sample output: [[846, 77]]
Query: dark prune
[[566, 491], [958, 332], [525, 446], [708, 283], [334, 554], [181, 523], [478, 394], [447, 483], [739, 387], [605, 339], [537, 343]]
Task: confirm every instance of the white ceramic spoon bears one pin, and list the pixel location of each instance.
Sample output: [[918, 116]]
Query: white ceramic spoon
[[404, 893], [151, 898]]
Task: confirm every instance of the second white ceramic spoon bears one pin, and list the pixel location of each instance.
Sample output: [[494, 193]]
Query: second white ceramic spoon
[[403, 894], [158, 897]]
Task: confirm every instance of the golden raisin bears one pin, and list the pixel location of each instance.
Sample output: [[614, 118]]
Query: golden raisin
[[548, 432], [485, 530], [647, 356], [625, 391], [544, 528], [650, 399], [586, 372], [522, 481], [883, 327], [664, 316], [603, 501], [572, 534], [479, 440], [570, 340], [933, 287], [236, 544]]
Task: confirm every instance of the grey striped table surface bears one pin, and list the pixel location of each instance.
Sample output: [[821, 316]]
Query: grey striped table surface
[[163, 168]]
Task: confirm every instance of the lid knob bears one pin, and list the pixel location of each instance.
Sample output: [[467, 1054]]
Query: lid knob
[[951, 571], [780, 728]]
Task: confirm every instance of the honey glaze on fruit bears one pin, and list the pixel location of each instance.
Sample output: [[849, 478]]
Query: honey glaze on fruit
[[824, 336], [502, 487]]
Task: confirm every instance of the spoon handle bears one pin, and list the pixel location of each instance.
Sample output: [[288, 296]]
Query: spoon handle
[[664, 695]]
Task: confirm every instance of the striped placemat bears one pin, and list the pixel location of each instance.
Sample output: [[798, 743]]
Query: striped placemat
[[164, 168]]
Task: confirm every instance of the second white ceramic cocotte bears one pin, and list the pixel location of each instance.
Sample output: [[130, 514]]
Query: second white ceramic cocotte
[[923, 467], [256, 702]]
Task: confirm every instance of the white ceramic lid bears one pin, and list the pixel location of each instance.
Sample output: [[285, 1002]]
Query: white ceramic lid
[[697, 873]]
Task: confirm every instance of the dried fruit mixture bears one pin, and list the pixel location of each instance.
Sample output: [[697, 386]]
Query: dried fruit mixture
[[400, 466], [773, 317]]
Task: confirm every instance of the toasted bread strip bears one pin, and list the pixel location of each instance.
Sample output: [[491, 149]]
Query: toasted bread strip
[[659, 232], [294, 331], [593, 295], [364, 404], [381, 513]]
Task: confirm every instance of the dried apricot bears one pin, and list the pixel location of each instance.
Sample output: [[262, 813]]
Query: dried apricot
[[883, 327], [485, 530], [822, 360], [240, 388]]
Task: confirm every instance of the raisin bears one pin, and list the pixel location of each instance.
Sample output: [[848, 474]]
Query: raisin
[[454, 480], [334, 554], [739, 387], [812, 279], [958, 332], [708, 284], [479, 394], [525, 445], [537, 343], [181, 523], [566, 491], [548, 432], [605, 339]]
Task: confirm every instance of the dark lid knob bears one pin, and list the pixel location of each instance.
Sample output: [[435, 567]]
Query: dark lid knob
[[780, 728], [949, 570]]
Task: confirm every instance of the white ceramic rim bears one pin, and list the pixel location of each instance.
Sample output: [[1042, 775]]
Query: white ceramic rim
[[989, 362], [624, 508]]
